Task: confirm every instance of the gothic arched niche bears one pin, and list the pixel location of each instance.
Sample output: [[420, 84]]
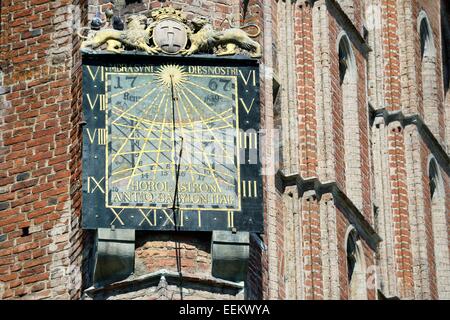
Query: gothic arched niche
[[435, 183], [445, 34], [347, 65], [426, 38], [439, 225], [356, 267], [349, 87], [428, 69]]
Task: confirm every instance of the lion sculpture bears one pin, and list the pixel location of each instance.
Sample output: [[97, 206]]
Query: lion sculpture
[[136, 36], [226, 42]]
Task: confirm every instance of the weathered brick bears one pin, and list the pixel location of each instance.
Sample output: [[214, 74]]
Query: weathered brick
[[327, 136]]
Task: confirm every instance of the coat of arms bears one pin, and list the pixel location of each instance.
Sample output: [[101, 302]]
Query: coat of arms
[[167, 31], [170, 34]]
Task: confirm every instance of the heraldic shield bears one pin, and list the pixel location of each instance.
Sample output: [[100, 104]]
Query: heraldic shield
[[170, 36]]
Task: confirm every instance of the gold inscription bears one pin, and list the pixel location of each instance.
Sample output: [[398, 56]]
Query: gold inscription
[[230, 219], [251, 76], [100, 134], [247, 108], [220, 71], [99, 98], [249, 189], [97, 70], [93, 184]]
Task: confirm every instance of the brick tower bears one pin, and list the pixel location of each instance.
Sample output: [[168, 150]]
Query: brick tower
[[354, 103]]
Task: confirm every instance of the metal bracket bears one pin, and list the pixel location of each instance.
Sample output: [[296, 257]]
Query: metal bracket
[[230, 253], [115, 255]]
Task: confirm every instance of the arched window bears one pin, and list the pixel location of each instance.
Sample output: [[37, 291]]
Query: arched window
[[349, 89], [428, 67], [445, 33], [434, 179], [426, 39], [347, 66], [356, 267], [440, 233], [446, 61]]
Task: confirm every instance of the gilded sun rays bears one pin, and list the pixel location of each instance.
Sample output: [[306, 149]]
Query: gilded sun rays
[[171, 75], [142, 135]]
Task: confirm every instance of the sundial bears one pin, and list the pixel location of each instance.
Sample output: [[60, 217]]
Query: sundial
[[167, 128], [143, 145], [171, 136]]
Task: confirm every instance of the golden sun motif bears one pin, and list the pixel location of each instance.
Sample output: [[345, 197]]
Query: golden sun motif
[[171, 74]]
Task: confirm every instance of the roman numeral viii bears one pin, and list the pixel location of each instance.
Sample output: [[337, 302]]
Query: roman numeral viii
[[99, 134]]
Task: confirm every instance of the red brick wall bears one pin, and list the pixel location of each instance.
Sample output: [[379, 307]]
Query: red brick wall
[[338, 112], [407, 94], [312, 249], [40, 151], [259, 260], [36, 132], [304, 44], [256, 281], [157, 251], [432, 10], [342, 224], [370, 262], [342, 227], [391, 55], [400, 210], [425, 152], [337, 107]]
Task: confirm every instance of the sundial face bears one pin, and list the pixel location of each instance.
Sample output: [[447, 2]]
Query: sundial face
[[156, 115], [171, 133]]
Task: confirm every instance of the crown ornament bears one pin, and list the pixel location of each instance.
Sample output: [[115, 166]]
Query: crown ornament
[[168, 13]]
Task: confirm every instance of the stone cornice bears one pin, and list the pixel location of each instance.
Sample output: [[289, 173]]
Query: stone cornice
[[162, 278], [427, 136], [340, 199], [353, 33]]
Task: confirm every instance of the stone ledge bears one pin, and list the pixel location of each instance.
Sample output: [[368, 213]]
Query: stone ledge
[[161, 279], [143, 56], [430, 140], [348, 208], [348, 25]]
